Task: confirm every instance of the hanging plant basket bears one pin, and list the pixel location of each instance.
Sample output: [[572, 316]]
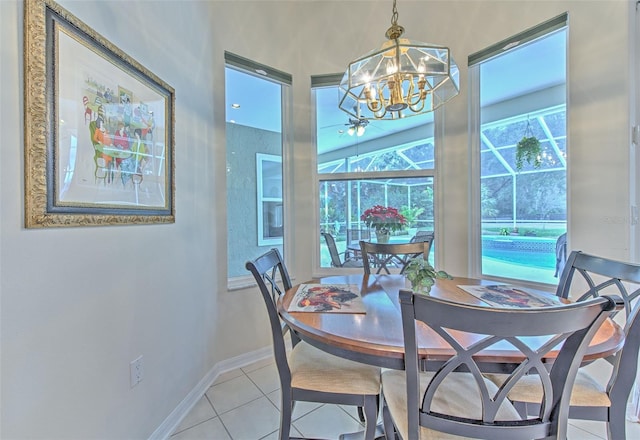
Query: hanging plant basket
[[528, 149]]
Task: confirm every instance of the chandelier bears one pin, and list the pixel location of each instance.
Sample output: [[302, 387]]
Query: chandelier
[[402, 78]]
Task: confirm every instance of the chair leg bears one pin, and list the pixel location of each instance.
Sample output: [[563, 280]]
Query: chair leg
[[616, 426], [361, 412], [286, 405], [371, 416], [389, 428]]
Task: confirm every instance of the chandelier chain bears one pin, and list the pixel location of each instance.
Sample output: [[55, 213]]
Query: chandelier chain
[[394, 16]]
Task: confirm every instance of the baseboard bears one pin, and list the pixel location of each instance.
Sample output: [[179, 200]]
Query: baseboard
[[169, 425]]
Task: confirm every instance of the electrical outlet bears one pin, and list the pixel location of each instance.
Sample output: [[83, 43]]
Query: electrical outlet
[[136, 372]]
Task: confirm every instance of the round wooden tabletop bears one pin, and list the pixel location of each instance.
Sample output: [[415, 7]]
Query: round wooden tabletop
[[375, 337]]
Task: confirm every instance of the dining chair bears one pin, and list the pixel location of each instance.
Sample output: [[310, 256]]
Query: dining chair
[[336, 261], [422, 236], [587, 276], [353, 240], [561, 254], [355, 235], [307, 373], [457, 399], [383, 256]]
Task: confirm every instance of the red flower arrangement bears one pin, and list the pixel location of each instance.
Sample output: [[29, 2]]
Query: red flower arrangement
[[383, 217]]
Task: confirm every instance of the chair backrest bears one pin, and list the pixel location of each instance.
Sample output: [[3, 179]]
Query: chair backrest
[[422, 236], [561, 254], [273, 280], [355, 235], [470, 329], [333, 249], [383, 256], [587, 276]]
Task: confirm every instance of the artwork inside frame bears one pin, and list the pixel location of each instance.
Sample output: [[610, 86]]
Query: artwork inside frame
[[99, 128]]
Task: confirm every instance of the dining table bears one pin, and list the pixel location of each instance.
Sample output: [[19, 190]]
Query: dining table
[[374, 335]]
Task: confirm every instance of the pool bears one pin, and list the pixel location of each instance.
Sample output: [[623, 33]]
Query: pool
[[538, 259], [525, 251]]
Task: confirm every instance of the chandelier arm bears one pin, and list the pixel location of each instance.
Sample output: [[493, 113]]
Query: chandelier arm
[[379, 113], [419, 97], [416, 109], [381, 87], [409, 98]]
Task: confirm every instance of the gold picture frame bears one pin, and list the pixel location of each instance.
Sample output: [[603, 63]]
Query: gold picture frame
[[99, 128]]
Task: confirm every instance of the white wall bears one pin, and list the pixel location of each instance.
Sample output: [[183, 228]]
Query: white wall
[[79, 304], [70, 327]]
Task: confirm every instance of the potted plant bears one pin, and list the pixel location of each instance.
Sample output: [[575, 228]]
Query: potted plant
[[422, 275], [411, 215], [528, 149], [383, 219]]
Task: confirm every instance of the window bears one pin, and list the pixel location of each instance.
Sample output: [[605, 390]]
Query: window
[[269, 207], [521, 86], [255, 98], [365, 163]]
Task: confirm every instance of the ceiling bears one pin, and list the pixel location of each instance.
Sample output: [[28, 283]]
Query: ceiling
[[531, 67]]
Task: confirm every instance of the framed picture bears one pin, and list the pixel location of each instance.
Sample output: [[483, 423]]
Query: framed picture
[[99, 128]]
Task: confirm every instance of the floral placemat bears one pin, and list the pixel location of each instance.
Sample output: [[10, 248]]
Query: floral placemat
[[330, 298], [507, 295]]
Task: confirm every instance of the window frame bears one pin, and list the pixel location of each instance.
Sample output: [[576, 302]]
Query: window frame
[[285, 81], [544, 29], [331, 80]]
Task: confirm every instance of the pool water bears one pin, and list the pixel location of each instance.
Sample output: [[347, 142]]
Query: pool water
[[544, 260]]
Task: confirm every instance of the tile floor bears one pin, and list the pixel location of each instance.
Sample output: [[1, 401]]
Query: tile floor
[[243, 404]]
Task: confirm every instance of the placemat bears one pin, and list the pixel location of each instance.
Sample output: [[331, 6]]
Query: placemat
[[508, 295], [329, 298]]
